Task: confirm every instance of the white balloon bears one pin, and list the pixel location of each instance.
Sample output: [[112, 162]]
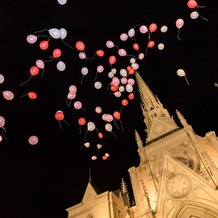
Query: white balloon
[[121, 88], [55, 33], [129, 88], [87, 144], [62, 2], [108, 127], [90, 126], [61, 66], [114, 70], [63, 33], [84, 71], [123, 72], [131, 32], [180, 72], [98, 85], [135, 66], [110, 75], [132, 60], [160, 46], [164, 29], [1, 78], [194, 15]]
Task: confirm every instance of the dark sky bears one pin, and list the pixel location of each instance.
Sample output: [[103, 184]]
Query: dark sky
[[42, 180]]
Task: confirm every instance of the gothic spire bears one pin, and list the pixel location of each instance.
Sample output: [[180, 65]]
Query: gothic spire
[[151, 106], [181, 118], [138, 140], [125, 193]]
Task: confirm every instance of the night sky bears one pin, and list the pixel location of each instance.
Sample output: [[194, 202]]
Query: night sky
[[42, 179]]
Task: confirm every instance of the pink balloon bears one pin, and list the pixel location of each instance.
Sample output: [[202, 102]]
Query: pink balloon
[[123, 80], [31, 39], [143, 29], [82, 55], [71, 95], [2, 121], [117, 94], [104, 117], [99, 146], [115, 81], [100, 69], [33, 140], [40, 64], [109, 118], [131, 81], [8, 95], [124, 36], [73, 89], [98, 110], [179, 23], [109, 44], [141, 56], [77, 105], [122, 52]]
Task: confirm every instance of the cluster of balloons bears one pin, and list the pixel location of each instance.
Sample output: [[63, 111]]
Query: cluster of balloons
[[120, 81]]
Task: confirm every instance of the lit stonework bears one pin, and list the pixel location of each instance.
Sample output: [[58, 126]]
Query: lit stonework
[[177, 176]]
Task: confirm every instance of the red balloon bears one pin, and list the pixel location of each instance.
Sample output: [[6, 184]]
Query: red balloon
[[136, 46], [112, 59], [116, 115], [32, 95], [57, 53], [100, 53], [192, 4], [153, 27], [104, 157], [43, 45], [132, 71], [82, 121], [59, 115], [151, 44], [113, 87], [131, 96], [128, 68], [100, 135], [124, 102], [34, 70], [80, 46]]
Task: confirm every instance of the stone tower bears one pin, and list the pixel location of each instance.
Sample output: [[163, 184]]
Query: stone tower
[[178, 172], [177, 176]]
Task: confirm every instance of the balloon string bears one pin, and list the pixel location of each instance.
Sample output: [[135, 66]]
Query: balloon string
[[3, 129], [121, 126], [41, 31], [42, 72], [26, 81], [68, 104], [116, 125], [81, 80], [132, 39], [52, 58], [96, 76], [24, 95], [66, 122], [186, 80], [60, 124], [178, 34], [80, 131], [114, 134], [203, 18], [200, 6], [67, 44]]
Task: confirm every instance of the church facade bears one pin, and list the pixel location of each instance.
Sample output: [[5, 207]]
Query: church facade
[[177, 176]]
